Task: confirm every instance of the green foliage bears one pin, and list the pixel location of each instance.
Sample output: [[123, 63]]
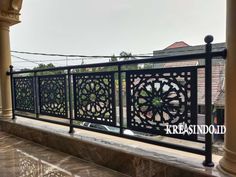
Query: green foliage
[[113, 58], [25, 74], [25, 69], [124, 56], [128, 56], [47, 66], [148, 66], [110, 68]]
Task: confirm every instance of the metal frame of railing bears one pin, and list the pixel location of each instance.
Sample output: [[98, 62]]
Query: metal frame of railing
[[73, 109]]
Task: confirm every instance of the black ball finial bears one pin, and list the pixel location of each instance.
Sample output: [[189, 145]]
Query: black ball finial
[[208, 39]]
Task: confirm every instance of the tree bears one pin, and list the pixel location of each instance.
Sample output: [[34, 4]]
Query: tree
[[111, 68], [148, 65], [25, 69], [44, 66], [113, 58], [128, 56], [47, 66]]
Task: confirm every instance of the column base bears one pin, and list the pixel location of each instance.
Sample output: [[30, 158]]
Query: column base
[[6, 114], [227, 164]]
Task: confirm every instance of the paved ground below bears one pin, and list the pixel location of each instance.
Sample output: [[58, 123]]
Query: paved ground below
[[22, 158]]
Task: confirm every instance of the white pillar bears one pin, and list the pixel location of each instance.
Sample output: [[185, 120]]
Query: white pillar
[[5, 62], [9, 15], [228, 162]]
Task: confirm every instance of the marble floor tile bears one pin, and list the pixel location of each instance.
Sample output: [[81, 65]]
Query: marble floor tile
[[22, 158]]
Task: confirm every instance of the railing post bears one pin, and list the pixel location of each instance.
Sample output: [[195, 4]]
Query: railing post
[[70, 102], [208, 100], [120, 99], [12, 92], [36, 94]]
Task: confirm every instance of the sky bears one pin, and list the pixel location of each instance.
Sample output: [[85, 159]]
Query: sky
[[107, 27]]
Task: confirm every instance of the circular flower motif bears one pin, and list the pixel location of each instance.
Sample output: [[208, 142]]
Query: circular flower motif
[[160, 101], [94, 98]]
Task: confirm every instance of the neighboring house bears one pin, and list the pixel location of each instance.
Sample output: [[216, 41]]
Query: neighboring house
[[218, 73]]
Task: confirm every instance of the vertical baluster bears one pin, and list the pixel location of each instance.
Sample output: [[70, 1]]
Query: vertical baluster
[[70, 102], [120, 99], [36, 94]]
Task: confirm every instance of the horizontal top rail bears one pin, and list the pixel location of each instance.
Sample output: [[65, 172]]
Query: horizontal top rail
[[221, 54]]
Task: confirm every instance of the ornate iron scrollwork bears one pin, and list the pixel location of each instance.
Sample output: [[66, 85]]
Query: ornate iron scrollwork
[[94, 97], [159, 97], [53, 95], [24, 94]]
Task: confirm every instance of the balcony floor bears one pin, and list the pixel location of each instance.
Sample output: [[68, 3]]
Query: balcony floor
[[19, 157]]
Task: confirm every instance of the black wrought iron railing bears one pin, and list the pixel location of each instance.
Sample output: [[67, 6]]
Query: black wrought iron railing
[[120, 101]]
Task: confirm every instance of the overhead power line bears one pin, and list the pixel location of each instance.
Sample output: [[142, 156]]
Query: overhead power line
[[51, 60], [72, 55], [25, 60]]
